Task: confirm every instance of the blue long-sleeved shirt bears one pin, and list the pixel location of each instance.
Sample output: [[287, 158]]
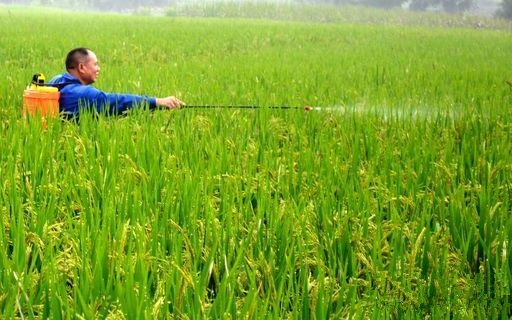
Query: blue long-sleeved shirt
[[75, 96]]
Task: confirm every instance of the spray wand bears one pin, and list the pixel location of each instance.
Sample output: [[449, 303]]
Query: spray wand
[[306, 107]]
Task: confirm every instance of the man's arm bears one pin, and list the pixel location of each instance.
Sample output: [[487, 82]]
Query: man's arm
[[118, 103]]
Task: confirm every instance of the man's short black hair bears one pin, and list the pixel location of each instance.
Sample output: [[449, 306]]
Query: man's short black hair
[[76, 56]]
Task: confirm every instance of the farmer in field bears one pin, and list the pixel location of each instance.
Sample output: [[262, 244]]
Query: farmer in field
[[76, 92]]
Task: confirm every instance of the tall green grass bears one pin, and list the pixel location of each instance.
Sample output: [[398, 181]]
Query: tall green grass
[[328, 13], [393, 203]]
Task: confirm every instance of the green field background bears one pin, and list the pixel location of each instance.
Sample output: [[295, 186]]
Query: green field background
[[391, 199]]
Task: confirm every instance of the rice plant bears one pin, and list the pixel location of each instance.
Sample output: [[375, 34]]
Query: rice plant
[[390, 199]]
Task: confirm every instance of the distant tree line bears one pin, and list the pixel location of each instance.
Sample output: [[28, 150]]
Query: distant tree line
[[113, 5], [126, 4], [451, 6], [506, 9]]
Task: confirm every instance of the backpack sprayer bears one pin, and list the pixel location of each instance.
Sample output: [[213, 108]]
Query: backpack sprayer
[[40, 99]]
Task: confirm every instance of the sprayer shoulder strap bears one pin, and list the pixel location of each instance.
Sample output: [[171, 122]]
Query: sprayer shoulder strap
[[61, 85]]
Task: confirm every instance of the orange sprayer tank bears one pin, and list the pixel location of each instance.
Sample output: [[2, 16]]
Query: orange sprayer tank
[[41, 103], [41, 100]]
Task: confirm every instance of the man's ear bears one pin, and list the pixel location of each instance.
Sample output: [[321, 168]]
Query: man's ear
[[80, 67]]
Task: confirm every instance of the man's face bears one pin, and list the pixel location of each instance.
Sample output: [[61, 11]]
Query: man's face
[[90, 69]]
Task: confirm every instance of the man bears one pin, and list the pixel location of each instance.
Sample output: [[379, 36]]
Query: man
[[77, 93]]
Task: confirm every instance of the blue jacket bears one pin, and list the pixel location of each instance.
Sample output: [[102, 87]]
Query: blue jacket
[[75, 96]]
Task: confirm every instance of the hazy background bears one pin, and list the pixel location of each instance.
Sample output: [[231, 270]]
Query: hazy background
[[485, 8]]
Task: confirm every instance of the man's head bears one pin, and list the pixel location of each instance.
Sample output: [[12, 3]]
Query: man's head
[[83, 64]]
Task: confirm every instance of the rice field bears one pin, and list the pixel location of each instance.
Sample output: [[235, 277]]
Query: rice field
[[390, 199]]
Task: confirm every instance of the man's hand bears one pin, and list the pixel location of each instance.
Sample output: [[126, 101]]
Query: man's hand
[[169, 102]]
